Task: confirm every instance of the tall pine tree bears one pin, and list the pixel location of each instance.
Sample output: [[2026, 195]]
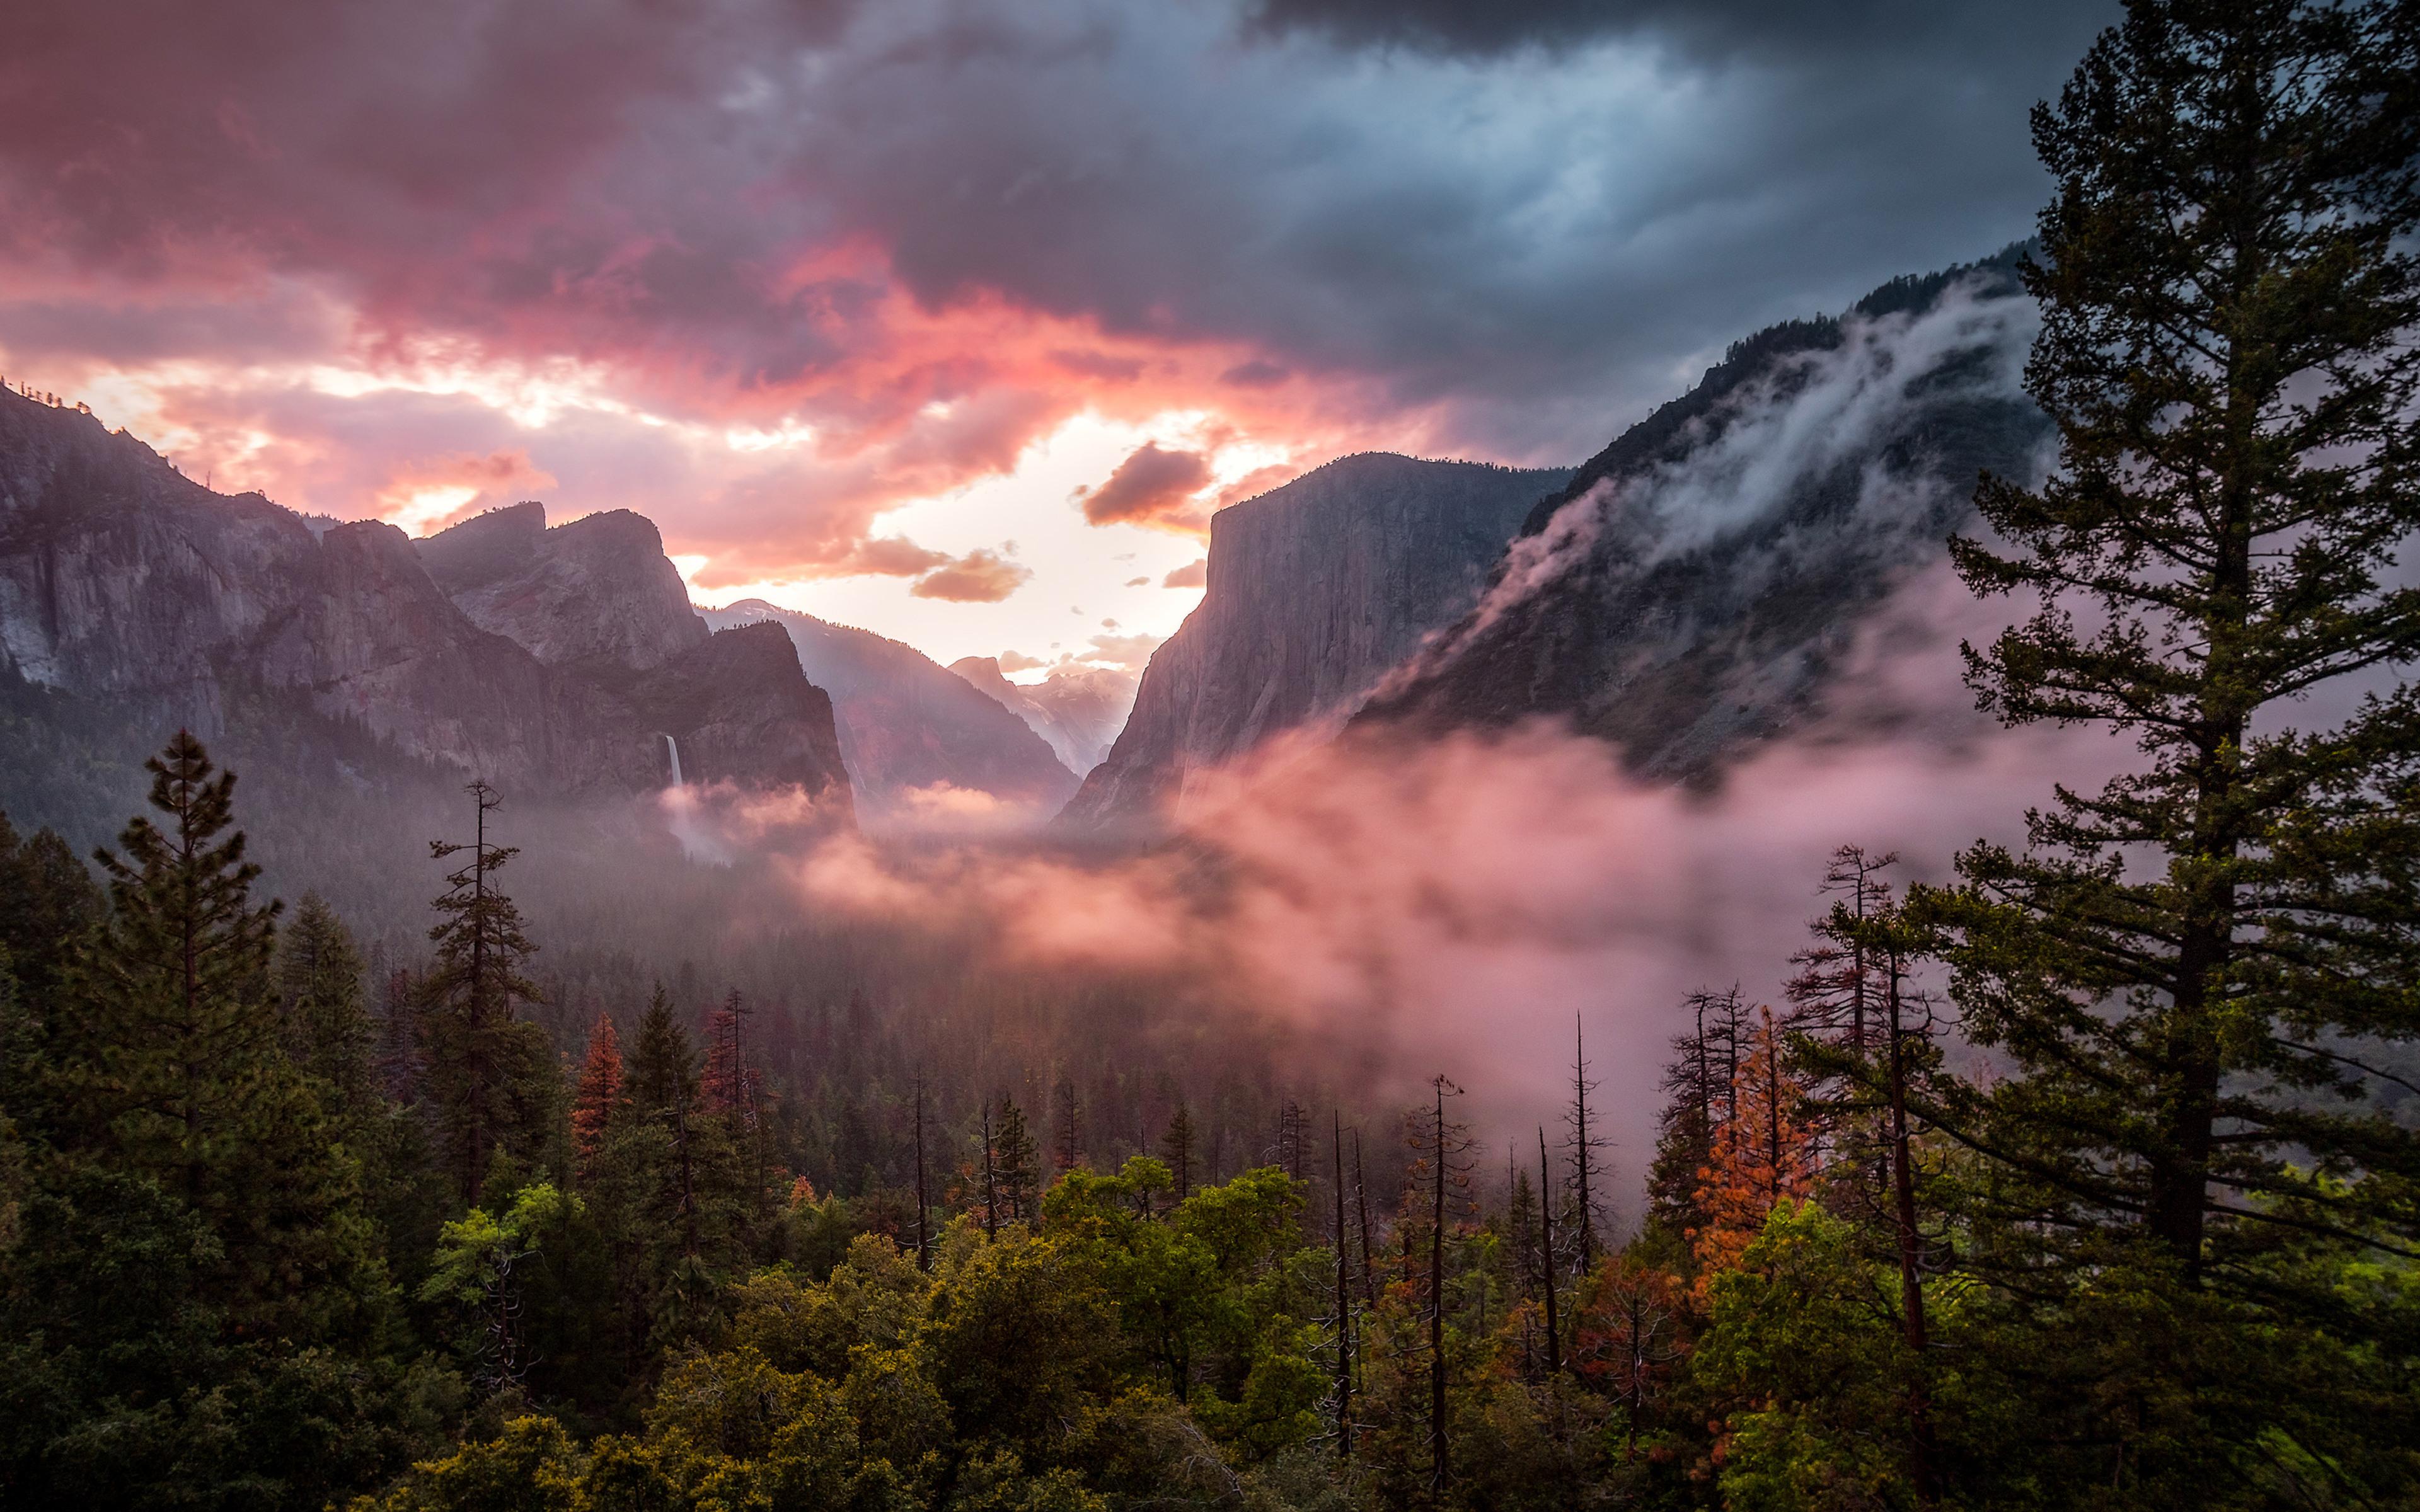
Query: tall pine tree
[[2193, 971], [2188, 963], [485, 1070], [328, 1028]]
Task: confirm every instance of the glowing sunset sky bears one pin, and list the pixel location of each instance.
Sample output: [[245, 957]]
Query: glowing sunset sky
[[952, 319]]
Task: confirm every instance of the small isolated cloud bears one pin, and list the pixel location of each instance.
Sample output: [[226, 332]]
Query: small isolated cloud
[[1154, 486], [944, 807], [893, 556], [1191, 575], [1138, 582], [1132, 652], [981, 577], [1017, 661], [1109, 624]]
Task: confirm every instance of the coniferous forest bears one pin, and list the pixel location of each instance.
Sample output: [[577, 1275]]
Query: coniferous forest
[[2088, 1177]]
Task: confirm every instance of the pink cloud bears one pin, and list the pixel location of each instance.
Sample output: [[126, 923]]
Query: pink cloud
[[427, 496], [1132, 652], [981, 577], [1152, 486]]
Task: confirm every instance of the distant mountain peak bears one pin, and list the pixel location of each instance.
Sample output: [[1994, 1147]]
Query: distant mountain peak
[[1078, 709], [908, 728]]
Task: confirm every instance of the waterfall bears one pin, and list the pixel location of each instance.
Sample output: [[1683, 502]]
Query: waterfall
[[674, 747]]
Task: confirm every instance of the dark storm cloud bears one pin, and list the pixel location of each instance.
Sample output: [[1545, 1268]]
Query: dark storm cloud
[[1538, 244], [1711, 27], [724, 200]]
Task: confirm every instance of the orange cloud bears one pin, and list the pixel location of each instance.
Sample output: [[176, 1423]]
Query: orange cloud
[[1132, 652], [428, 495], [981, 577], [1191, 575], [780, 472], [1155, 486], [895, 556]]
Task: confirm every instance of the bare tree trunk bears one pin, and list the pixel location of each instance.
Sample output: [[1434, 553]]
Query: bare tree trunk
[[1910, 1281], [1361, 1200], [923, 1209], [1546, 1262], [1344, 1310], [1439, 1468]]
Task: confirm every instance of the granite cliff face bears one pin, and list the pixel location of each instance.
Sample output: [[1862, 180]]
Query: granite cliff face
[[1692, 589], [907, 727], [1078, 710], [598, 590], [1316, 590], [557, 664]]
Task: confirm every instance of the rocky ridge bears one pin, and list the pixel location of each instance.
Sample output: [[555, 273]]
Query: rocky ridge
[[1695, 587]]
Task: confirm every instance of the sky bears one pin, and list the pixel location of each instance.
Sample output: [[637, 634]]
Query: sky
[[957, 320]]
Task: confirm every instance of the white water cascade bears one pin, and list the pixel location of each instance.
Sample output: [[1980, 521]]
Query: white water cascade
[[674, 747]]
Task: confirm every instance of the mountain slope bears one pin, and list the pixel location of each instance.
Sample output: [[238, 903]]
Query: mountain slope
[[909, 726], [1692, 589], [1078, 710], [1316, 589], [131, 590]]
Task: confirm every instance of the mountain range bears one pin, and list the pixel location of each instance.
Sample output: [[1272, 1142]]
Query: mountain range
[[1690, 591], [1687, 592], [546, 661]]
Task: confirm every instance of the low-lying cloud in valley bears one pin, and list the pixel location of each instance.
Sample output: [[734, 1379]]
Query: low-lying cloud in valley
[[1456, 904]]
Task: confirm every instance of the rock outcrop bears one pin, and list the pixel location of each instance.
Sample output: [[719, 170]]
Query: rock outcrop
[[910, 729], [1316, 590], [598, 590]]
